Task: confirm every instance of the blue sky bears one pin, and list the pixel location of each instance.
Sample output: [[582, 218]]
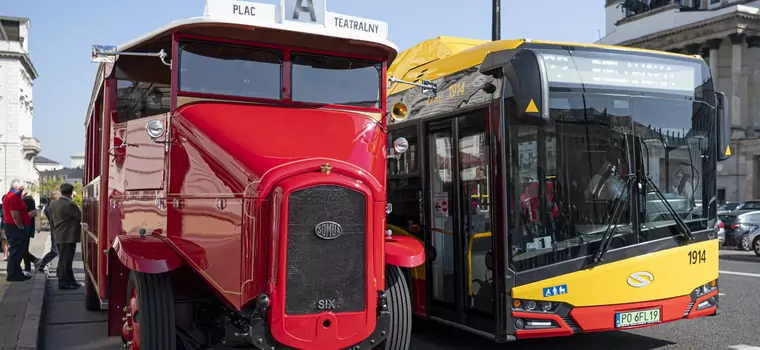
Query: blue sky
[[63, 32]]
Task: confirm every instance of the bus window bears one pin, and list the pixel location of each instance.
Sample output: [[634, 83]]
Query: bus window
[[135, 99], [230, 70], [336, 80]]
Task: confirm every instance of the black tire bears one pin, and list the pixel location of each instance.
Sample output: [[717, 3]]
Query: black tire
[[756, 246], [155, 314], [400, 306], [91, 299], [744, 243]]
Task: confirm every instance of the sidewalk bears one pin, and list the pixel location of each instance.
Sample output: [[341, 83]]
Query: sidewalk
[[21, 303], [67, 324]]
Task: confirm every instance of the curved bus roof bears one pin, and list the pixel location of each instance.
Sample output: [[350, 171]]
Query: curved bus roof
[[340, 33], [436, 58]]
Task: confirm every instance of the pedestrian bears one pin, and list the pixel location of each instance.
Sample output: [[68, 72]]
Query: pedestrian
[[53, 253], [16, 219], [67, 219], [3, 238], [29, 258]]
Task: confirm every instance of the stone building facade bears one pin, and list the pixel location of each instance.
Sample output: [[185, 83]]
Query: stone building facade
[[726, 33], [18, 147]]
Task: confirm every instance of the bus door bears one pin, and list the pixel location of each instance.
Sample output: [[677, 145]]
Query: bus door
[[459, 227]]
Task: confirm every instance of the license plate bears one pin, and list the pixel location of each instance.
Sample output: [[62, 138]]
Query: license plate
[[637, 318]]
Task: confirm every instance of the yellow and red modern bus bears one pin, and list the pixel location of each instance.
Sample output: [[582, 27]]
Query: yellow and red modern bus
[[554, 185]]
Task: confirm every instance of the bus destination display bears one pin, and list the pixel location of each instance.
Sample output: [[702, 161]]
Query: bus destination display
[[609, 70]]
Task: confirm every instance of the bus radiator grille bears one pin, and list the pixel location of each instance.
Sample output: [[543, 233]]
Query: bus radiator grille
[[326, 274]]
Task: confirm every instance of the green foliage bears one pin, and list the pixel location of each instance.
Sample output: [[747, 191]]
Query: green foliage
[[45, 187]]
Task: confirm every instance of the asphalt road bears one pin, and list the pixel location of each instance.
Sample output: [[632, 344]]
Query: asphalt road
[[69, 326], [735, 328]]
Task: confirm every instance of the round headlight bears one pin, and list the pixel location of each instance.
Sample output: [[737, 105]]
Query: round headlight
[[155, 129], [400, 145]]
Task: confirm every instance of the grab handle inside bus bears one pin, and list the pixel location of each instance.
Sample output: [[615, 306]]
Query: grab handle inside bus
[[723, 131]]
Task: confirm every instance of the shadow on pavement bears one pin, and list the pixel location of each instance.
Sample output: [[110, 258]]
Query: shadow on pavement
[[430, 336], [741, 258]]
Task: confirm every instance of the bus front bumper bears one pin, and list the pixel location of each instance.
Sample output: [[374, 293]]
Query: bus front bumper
[[566, 320]]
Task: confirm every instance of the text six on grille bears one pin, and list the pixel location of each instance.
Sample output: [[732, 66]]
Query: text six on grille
[[328, 230]]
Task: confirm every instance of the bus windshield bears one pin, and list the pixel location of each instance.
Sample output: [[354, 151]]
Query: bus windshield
[[336, 80], [577, 168], [240, 71]]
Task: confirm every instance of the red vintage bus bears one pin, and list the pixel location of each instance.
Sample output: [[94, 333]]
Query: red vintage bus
[[236, 171]]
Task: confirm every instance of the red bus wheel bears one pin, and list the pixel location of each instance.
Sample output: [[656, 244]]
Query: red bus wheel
[[91, 299], [400, 305], [149, 314]]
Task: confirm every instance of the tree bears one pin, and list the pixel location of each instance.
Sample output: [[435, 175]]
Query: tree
[[45, 187]]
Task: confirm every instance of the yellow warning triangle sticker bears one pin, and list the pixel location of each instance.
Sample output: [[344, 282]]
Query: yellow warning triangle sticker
[[531, 107], [728, 151]]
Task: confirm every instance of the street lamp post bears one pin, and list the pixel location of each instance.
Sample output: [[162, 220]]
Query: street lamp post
[[496, 20]]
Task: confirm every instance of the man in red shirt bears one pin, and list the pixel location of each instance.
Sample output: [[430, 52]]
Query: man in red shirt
[[16, 220]]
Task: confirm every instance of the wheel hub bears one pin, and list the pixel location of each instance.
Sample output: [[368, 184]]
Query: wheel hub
[[130, 331]]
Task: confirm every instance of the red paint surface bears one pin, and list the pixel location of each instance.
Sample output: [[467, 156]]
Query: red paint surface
[[404, 251], [146, 254], [419, 303], [704, 312], [602, 318]]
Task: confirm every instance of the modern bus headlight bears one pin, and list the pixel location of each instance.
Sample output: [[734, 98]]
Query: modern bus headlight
[[534, 306], [706, 288]]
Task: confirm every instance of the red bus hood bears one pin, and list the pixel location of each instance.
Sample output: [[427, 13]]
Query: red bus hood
[[248, 140]]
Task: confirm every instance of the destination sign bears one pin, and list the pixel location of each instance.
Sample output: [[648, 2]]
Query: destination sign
[[620, 70], [301, 14]]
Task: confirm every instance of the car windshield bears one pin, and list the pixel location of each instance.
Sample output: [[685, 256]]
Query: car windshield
[[728, 206], [749, 206]]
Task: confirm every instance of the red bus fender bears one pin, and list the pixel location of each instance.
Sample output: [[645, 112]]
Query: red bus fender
[[404, 251], [146, 254]]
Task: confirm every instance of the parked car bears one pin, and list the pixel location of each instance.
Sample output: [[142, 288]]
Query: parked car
[[754, 237], [728, 206], [746, 230], [727, 223]]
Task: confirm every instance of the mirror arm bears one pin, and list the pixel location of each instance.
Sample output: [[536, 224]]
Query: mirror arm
[[162, 55], [428, 87]]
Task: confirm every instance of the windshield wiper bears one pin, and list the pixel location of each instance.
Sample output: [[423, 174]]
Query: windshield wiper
[[604, 244], [685, 231]]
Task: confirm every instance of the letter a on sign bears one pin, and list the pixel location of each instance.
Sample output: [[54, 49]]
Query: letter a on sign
[[309, 11], [531, 107]]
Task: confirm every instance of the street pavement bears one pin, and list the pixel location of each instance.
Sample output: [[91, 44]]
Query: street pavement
[[69, 326], [21, 304], [735, 328]]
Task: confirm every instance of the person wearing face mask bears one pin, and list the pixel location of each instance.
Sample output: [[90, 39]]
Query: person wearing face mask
[[16, 219]]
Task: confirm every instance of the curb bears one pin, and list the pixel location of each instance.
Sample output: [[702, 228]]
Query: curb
[[28, 338]]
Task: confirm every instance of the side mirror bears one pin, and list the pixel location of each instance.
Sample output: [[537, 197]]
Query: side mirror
[[155, 129], [723, 127], [429, 88], [104, 53]]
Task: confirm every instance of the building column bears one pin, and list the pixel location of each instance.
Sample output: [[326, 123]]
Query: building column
[[753, 112], [713, 46], [737, 90]]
